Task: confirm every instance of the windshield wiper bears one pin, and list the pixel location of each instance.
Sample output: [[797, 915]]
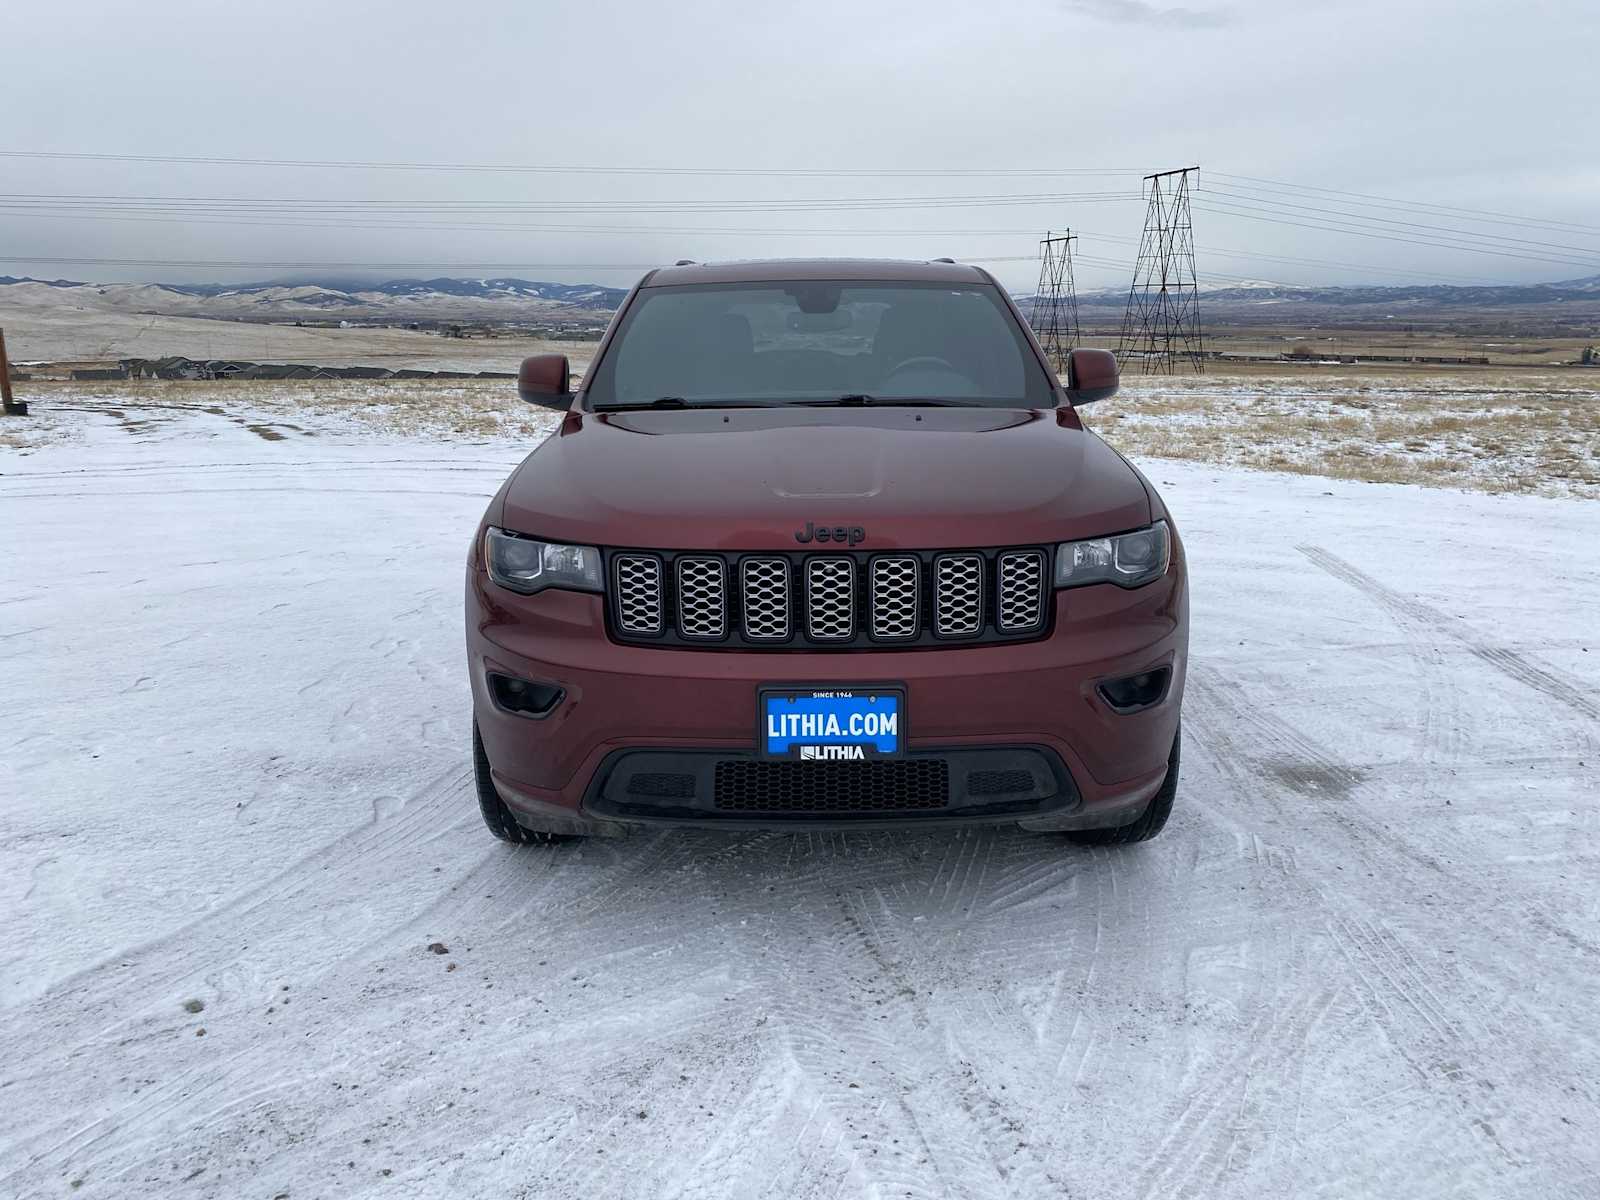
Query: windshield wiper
[[678, 402], [865, 400]]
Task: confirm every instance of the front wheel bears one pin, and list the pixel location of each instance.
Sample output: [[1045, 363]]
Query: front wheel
[[496, 815], [1150, 821]]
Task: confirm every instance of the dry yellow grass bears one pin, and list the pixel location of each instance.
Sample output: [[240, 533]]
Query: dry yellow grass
[[1495, 431], [1499, 431]]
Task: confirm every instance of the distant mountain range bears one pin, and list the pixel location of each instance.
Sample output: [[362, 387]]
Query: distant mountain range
[[509, 300], [324, 298]]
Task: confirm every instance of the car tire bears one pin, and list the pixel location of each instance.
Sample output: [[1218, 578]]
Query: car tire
[[496, 815], [1150, 821]]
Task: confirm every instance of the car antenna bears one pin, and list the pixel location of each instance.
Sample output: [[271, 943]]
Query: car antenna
[[686, 262], [948, 260]]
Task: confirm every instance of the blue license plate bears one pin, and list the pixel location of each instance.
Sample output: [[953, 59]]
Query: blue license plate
[[832, 724]]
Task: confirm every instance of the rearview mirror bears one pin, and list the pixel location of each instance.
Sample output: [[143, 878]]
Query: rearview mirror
[[1091, 375], [546, 380]]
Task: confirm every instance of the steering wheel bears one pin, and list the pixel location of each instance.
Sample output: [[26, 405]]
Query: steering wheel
[[923, 362]]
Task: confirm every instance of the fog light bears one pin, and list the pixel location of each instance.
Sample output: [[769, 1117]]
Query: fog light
[[523, 696], [1134, 692]]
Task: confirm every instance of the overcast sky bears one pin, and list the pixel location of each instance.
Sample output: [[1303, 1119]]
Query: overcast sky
[[1482, 106]]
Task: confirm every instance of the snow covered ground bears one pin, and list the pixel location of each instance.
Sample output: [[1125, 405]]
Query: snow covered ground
[[235, 811]]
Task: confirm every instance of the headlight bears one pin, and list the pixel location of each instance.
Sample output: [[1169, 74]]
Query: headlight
[[526, 565], [1127, 560]]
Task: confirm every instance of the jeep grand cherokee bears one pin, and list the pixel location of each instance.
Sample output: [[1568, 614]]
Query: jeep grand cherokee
[[824, 543]]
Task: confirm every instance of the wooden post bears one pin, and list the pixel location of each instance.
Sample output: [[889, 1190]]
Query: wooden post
[[13, 408]]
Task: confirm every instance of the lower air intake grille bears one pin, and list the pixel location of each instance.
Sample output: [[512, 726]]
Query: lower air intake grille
[[999, 783], [754, 786], [662, 785]]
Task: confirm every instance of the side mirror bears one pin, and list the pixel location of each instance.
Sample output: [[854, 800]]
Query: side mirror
[[546, 380], [1091, 375]]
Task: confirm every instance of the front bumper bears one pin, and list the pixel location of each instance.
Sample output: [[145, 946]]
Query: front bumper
[[1038, 696]]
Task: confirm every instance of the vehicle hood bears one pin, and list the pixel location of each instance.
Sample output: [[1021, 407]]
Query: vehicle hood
[[748, 479]]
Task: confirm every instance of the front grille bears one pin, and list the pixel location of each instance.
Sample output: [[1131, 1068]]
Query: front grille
[[958, 594], [829, 601], [1021, 590], [702, 598], [754, 786], [766, 599], [637, 579], [896, 597]]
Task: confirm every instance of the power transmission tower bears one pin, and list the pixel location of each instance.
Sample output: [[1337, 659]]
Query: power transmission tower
[[1161, 327], [1055, 300]]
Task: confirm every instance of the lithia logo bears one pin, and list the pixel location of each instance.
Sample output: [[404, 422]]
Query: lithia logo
[[832, 753], [850, 534]]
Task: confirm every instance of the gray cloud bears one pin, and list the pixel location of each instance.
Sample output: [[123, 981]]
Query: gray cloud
[[982, 125], [1136, 12]]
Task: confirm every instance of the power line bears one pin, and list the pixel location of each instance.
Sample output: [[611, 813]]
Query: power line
[[1258, 198], [546, 169], [185, 205], [722, 231], [1398, 204], [1258, 215]]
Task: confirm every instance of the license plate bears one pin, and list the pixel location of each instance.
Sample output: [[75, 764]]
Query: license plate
[[832, 724]]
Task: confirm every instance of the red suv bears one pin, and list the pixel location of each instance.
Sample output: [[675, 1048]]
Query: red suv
[[824, 543]]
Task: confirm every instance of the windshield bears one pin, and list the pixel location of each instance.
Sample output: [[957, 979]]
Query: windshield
[[816, 341]]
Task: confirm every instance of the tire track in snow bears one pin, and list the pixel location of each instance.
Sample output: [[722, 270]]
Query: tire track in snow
[[1502, 658], [1204, 1130], [869, 1024], [1003, 1126], [123, 986], [127, 1134], [1434, 1022]]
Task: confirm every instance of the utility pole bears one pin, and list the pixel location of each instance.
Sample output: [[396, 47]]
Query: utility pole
[[1055, 300], [13, 408], [1161, 326]]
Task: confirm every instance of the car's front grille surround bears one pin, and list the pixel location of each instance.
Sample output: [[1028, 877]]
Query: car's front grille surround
[[895, 596], [767, 599], [958, 595], [1021, 590], [637, 599], [702, 597], [829, 600]]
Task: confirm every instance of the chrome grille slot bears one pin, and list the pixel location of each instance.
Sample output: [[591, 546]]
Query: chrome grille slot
[[830, 599], [958, 595], [766, 599], [1020, 600], [702, 598], [896, 597], [637, 578]]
